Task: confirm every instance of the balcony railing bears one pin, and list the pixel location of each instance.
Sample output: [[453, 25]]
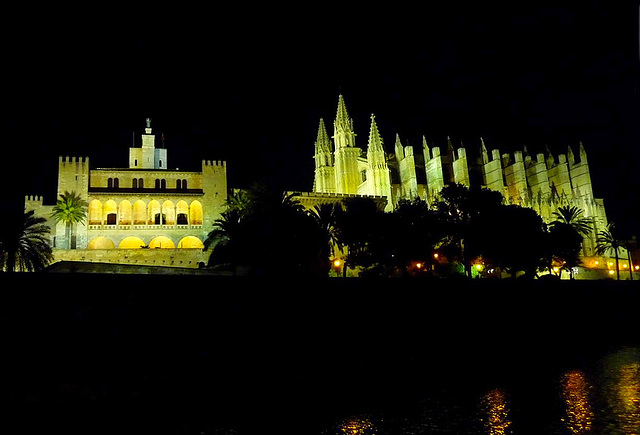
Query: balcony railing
[[114, 227]]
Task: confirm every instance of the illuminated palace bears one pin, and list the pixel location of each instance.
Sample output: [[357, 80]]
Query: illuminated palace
[[542, 182], [168, 212]]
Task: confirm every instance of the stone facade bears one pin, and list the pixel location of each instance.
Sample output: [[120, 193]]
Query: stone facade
[[543, 183], [144, 214]]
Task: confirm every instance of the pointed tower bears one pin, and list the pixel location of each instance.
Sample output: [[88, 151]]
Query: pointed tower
[[324, 181], [346, 154], [148, 157], [378, 171]]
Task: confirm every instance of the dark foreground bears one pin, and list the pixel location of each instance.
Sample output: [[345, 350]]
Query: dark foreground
[[112, 354]]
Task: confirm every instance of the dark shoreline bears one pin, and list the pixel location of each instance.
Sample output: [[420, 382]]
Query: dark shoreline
[[163, 350]]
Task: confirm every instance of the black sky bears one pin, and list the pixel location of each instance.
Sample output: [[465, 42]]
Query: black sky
[[248, 84]]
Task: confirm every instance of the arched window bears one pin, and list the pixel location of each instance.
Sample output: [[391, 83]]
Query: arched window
[[184, 184], [139, 213], [116, 183], [141, 183], [163, 184], [160, 163], [134, 184], [110, 183], [157, 183], [95, 212], [110, 212], [178, 184]]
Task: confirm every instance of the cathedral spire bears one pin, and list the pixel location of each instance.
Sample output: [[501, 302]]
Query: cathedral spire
[[322, 141], [375, 141], [342, 123]]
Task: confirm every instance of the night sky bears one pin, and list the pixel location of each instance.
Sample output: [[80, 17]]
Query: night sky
[[248, 84]]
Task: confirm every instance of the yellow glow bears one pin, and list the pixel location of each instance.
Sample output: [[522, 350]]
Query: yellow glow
[[101, 242], [637, 267], [556, 269], [131, 242], [497, 411], [419, 265], [163, 242], [575, 392], [190, 242], [436, 255], [625, 266], [611, 272], [596, 262], [610, 264], [336, 263], [358, 426], [479, 266]]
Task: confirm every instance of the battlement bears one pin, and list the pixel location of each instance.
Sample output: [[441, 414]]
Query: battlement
[[214, 163], [33, 198], [73, 159]]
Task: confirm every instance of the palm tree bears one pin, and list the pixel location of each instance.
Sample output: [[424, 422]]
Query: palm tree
[[572, 216], [70, 209], [24, 245], [606, 241], [226, 239], [326, 217]]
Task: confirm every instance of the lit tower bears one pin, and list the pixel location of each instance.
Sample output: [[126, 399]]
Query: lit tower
[[324, 181], [346, 154], [378, 170], [148, 156]]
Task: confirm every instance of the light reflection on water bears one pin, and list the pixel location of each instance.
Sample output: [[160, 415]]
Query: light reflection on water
[[496, 412], [575, 393], [599, 399], [620, 389]]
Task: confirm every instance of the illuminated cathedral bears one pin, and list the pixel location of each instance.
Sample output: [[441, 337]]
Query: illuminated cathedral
[[542, 181]]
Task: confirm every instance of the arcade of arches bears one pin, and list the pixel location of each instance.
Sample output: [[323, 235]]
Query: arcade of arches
[[133, 242], [141, 213]]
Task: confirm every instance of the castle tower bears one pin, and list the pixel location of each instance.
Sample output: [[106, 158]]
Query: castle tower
[[148, 156], [73, 177], [378, 170], [346, 153], [324, 181]]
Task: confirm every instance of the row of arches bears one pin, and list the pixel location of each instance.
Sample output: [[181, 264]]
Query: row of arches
[[141, 213], [134, 242]]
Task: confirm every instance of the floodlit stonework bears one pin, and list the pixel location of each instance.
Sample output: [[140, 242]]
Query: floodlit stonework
[[542, 182], [145, 214]]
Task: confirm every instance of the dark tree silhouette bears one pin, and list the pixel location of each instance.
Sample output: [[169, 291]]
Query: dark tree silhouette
[[24, 243]]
